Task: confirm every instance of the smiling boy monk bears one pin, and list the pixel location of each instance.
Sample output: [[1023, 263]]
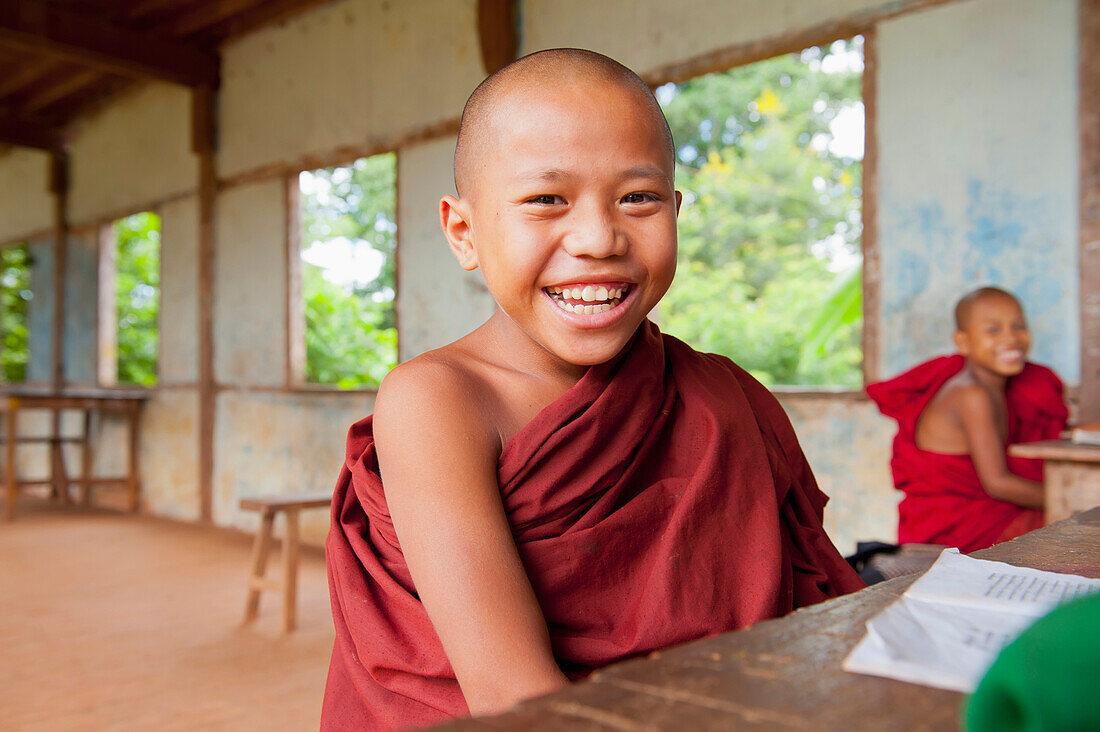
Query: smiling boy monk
[[564, 487], [957, 415]]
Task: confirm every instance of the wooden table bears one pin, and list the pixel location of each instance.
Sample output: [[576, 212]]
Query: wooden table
[[784, 673], [124, 402], [1071, 474]]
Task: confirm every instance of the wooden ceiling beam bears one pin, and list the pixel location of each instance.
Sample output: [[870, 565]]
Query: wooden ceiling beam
[[47, 94], [203, 16], [23, 75], [29, 133], [59, 34]]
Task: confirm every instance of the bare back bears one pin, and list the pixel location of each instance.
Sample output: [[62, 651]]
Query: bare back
[[941, 427]]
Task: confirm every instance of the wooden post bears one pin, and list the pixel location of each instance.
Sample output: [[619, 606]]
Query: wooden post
[[1089, 123], [871, 343], [496, 30], [203, 129], [59, 186]]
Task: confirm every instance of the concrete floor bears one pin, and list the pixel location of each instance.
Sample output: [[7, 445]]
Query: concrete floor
[[111, 622]]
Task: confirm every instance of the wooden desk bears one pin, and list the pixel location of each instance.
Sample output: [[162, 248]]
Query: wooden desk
[[784, 673], [124, 402], [1071, 475]]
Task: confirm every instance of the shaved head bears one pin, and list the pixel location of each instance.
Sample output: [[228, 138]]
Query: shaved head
[[967, 302], [536, 72]]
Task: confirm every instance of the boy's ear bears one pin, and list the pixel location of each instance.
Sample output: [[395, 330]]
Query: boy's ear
[[454, 217], [679, 200], [962, 342]]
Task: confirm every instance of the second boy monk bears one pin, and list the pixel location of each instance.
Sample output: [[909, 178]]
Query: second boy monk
[[564, 487], [957, 415]]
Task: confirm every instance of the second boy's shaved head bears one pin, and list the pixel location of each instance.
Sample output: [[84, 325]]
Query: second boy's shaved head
[[967, 302], [541, 70]]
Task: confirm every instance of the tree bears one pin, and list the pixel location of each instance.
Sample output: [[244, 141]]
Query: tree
[[351, 333], [15, 293], [137, 297], [770, 226]]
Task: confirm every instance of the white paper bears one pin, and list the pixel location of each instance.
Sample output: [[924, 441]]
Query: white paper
[[948, 627]]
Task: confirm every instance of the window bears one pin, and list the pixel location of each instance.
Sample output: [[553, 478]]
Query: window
[[130, 283], [15, 294], [346, 260], [769, 161]]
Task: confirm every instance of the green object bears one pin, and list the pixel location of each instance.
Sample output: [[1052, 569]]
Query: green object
[[1047, 679]]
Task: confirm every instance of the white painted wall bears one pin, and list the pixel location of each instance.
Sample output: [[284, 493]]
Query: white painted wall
[[250, 285], [977, 123], [647, 34], [349, 73], [25, 206], [178, 356], [134, 152], [437, 302]]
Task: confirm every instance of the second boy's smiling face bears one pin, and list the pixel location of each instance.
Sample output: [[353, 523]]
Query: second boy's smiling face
[[571, 215], [995, 337]]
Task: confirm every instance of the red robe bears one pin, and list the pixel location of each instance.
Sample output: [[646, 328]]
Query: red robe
[[944, 501], [661, 499]]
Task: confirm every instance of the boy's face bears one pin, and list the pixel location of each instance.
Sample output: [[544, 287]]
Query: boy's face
[[995, 335], [571, 216]]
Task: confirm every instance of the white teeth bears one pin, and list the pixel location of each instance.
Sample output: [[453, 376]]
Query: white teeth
[[584, 309], [600, 293], [588, 294]]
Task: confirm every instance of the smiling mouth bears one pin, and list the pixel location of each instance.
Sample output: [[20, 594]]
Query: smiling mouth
[[588, 299]]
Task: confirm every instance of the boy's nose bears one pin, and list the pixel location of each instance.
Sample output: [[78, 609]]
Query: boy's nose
[[595, 234]]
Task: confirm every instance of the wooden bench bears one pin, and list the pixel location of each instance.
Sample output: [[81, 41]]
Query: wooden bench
[[269, 507]]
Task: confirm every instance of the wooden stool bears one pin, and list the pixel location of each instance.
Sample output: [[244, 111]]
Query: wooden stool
[[269, 507]]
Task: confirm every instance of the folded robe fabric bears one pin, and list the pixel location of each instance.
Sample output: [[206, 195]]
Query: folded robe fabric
[[662, 498], [944, 501]]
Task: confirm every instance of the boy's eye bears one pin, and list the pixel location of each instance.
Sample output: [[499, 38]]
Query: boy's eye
[[545, 199], [639, 198]]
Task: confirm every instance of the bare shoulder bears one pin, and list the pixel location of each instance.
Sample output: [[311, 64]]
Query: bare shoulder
[[964, 397], [439, 389]]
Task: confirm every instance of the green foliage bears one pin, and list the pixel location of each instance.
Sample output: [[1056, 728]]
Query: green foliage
[[351, 334], [15, 293], [137, 297], [769, 214]]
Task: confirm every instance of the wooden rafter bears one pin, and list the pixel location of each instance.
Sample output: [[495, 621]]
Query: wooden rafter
[[48, 94], [24, 75], [29, 133], [207, 14], [55, 33]]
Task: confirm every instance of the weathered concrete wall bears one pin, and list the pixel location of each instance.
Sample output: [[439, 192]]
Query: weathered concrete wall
[[179, 292], [25, 205], [343, 75], [847, 443], [169, 454], [437, 301], [647, 34], [134, 152], [281, 443], [40, 312], [978, 135], [250, 285], [81, 301]]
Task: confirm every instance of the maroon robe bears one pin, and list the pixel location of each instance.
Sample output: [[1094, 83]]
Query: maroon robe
[[662, 498], [944, 501]]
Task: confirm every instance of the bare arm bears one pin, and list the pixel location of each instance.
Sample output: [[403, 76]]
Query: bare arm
[[438, 453], [975, 412]]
